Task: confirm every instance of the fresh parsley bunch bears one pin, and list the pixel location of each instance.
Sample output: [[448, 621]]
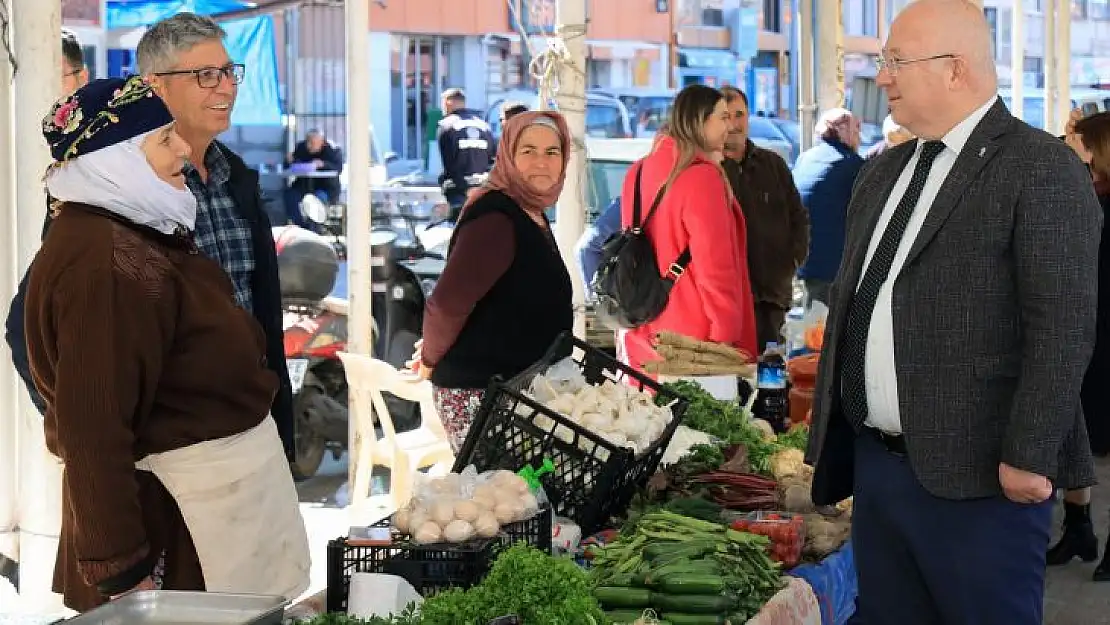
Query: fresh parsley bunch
[[540, 589]]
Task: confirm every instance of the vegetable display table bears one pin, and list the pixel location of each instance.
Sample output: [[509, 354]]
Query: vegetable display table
[[833, 580]]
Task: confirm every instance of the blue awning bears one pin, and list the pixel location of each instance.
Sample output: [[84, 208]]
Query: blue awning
[[707, 58], [139, 13], [250, 41]]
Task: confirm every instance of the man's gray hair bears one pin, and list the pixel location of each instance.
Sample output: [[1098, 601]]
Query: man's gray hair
[[158, 49]]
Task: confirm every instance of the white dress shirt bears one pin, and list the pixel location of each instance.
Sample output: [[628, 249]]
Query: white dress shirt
[[879, 367]]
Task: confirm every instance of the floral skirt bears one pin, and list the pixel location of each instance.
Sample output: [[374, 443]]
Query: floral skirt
[[456, 408]]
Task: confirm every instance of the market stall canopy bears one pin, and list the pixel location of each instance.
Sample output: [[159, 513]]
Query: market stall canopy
[[139, 13], [249, 41]]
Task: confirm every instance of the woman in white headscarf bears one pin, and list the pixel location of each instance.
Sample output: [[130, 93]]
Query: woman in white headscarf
[[155, 382]]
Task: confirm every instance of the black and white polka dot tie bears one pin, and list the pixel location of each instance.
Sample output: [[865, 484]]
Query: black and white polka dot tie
[[854, 346]]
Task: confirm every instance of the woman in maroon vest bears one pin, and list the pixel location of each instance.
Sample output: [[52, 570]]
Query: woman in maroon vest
[[505, 294]]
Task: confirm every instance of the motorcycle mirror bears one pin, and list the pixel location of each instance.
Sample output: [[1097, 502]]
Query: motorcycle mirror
[[313, 209]]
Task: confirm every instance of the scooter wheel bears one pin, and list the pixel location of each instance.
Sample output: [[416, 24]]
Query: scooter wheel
[[309, 444]]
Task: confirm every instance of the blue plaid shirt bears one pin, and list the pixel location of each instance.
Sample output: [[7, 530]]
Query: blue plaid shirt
[[221, 233]]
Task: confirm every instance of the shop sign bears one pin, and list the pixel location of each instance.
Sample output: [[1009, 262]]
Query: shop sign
[[534, 17], [745, 30]]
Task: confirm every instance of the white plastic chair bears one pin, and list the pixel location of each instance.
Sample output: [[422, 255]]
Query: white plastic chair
[[405, 453]]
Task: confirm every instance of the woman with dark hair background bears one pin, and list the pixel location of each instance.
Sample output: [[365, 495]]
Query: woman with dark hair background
[[1090, 138]]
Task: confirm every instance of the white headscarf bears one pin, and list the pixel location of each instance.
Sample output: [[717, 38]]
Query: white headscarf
[[119, 179]]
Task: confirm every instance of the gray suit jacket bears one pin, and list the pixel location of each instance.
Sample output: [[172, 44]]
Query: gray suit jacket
[[994, 317]]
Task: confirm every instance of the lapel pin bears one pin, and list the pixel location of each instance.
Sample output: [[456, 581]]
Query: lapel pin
[[982, 151]]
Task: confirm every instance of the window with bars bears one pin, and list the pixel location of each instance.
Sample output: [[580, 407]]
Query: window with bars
[[1079, 9], [861, 17], [713, 17], [772, 16]]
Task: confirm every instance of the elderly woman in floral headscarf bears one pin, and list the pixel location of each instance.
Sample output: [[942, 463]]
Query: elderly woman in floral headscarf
[[505, 294], [155, 381]]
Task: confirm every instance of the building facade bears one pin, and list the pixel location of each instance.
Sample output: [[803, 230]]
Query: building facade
[[1090, 41]]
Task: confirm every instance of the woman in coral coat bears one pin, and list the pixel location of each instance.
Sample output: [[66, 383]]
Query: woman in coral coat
[[712, 300]]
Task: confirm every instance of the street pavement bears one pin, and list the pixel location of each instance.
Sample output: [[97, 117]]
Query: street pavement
[[1071, 598]]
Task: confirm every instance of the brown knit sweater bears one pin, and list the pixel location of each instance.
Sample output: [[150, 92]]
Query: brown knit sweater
[[137, 346]]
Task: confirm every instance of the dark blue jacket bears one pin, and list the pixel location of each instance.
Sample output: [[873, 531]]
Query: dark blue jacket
[[266, 295], [593, 239], [14, 334], [824, 175], [467, 148]]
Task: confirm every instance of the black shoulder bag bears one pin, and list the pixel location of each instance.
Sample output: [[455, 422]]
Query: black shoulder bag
[[628, 288]]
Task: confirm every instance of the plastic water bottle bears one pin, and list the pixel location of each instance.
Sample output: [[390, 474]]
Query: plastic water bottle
[[771, 395]]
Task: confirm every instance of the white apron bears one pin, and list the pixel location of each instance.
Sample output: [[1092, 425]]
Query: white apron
[[240, 505]]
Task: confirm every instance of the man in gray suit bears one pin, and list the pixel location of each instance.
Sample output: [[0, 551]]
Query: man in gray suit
[[961, 323]]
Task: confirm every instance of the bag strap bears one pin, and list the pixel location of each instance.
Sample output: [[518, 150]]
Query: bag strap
[[637, 223], [678, 267]]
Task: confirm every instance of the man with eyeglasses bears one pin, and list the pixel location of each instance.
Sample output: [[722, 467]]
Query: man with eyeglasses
[[960, 327], [188, 67], [74, 72]]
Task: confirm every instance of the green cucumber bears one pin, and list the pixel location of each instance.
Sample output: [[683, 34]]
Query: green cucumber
[[667, 551], [615, 597], [706, 566], [625, 617], [691, 584], [693, 604], [677, 618]]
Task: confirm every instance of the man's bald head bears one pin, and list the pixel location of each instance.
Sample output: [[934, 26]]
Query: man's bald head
[[958, 26], [939, 66]]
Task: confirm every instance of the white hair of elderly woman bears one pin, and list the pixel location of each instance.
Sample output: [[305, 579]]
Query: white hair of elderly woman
[[158, 49], [835, 121]]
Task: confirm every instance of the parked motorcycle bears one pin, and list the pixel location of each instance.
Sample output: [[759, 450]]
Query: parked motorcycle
[[315, 328], [328, 221]]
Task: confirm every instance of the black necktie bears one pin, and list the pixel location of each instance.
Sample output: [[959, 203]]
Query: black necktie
[[854, 346]]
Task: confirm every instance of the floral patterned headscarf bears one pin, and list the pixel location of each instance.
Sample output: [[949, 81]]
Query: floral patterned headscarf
[[100, 114]]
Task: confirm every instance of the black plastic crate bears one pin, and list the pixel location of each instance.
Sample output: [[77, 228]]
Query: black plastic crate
[[429, 568], [593, 479]]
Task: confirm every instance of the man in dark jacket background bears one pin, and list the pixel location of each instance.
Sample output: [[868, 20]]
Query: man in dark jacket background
[[74, 76], [778, 228], [466, 147], [319, 154], [824, 175]]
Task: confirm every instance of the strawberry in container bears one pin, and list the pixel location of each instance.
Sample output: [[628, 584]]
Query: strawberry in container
[[786, 531]]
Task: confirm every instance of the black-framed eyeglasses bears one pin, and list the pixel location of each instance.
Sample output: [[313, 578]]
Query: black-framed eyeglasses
[[210, 77], [893, 65]]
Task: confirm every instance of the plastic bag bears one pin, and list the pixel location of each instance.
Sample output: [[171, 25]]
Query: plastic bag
[[440, 510], [457, 507], [565, 376], [507, 495]]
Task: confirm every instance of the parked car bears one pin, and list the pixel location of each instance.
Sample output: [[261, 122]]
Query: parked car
[[1090, 100], [764, 133], [606, 117], [790, 129], [649, 107]]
